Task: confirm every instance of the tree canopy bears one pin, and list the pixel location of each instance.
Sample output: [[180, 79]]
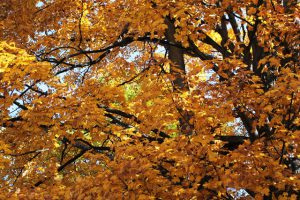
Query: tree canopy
[[149, 99]]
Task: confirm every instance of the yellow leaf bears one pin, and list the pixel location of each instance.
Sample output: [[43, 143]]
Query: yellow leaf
[[268, 108]]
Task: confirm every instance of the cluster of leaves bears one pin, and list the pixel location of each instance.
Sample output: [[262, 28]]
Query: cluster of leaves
[[142, 99]]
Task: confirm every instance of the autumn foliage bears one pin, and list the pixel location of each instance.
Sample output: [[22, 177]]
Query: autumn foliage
[[141, 99]]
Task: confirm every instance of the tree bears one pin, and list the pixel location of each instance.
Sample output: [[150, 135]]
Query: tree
[[149, 99]]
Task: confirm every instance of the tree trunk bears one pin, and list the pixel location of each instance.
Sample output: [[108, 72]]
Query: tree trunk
[[180, 83]]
